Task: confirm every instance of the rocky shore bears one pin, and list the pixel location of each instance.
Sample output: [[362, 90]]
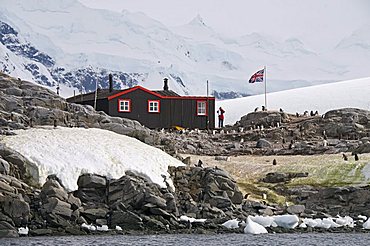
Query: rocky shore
[[203, 198]]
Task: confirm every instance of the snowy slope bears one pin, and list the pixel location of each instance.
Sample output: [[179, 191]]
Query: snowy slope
[[346, 94], [77, 46], [68, 152]]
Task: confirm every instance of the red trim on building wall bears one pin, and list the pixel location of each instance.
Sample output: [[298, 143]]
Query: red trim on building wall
[[156, 94], [129, 105], [159, 106], [198, 101]]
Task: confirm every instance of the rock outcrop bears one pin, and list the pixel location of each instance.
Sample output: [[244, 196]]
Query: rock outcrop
[[24, 104]]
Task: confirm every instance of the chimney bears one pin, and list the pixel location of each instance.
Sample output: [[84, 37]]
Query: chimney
[[110, 83], [165, 87]]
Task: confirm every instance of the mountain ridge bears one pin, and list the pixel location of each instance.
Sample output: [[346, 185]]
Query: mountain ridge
[[68, 48]]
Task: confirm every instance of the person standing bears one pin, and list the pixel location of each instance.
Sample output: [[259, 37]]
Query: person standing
[[221, 117]]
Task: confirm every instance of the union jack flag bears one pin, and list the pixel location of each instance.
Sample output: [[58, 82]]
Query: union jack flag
[[257, 77]]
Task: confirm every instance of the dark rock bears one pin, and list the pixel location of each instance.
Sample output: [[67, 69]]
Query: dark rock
[[5, 187], [16, 209], [160, 212], [154, 224], [57, 221], [74, 230], [55, 206], [94, 213], [220, 202], [4, 166], [41, 232], [101, 222], [237, 198], [282, 177], [263, 143], [91, 181], [8, 233], [52, 188], [296, 209], [74, 201], [127, 220], [91, 195], [6, 226], [155, 200]]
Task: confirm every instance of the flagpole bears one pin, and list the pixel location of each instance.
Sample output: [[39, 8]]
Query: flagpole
[[265, 87]]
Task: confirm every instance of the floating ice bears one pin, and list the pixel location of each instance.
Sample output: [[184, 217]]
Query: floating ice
[[265, 221], [231, 224], [286, 220], [254, 228], [23, 230]]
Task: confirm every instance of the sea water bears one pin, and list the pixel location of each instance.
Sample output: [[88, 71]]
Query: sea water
[[304, 239]]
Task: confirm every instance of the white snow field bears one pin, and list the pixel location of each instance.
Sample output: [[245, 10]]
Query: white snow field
[[345, 94], [69, 152]]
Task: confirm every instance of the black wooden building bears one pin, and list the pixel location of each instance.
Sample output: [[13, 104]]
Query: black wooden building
[[154, 109]]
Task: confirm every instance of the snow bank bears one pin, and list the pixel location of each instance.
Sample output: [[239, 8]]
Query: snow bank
[[346, 94], [69, 152]]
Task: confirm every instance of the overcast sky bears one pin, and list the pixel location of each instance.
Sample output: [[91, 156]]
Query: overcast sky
[[320, 24]]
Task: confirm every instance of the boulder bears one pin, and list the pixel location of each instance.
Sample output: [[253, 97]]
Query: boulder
[[91, 181], [74, 201], [52, 188], [155, 200], [93, 214], [16, 209], [220, 202], [296, 209], [6, 187], [41, 232], [91, 195], [263, 143], [127, 220], [8, 233], [14, 91], [55, 206], [4, 166]]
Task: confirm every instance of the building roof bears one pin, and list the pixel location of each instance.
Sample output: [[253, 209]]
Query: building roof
[[105, 94], [102, 94], [167, 93]]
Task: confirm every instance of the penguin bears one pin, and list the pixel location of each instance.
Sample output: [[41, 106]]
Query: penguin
[[356, 157], [345, 157]]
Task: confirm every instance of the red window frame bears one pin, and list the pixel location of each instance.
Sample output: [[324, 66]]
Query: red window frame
[[206, 103], [129, 105], [159, 106]]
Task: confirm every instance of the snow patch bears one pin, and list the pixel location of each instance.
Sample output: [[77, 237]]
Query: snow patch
[[68, 152], [345, 94]]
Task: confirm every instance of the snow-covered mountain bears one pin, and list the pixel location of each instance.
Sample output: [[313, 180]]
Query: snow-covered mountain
[[65, 42], [345, 94]]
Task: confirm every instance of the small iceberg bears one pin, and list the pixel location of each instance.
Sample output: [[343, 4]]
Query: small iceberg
[[345, 221], [310, 222], [23, 231], [191, 220], [102, 228], [89, 227], [366, 225], [265, 221], [254, 228], [231, 224], [286, 221]]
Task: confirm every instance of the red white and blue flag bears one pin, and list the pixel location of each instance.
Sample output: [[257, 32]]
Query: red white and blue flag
[[257, 77]]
